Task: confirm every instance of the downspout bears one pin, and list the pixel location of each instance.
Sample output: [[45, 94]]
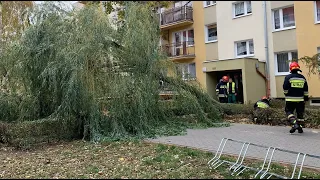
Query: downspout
[[266, 48]]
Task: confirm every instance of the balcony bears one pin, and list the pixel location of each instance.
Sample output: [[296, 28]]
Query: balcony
[[180, 51], [176, 17]]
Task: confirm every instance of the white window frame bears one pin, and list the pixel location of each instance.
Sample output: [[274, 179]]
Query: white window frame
[[315, 13], [178, 4], [185, 75], [314, 104], [187, 37], [281, 20], [212, 3], [247, 47], [276, 62], [245, 9], [206, 33]]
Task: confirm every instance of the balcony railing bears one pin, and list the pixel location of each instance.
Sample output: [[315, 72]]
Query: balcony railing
[[183, 49], [175, 15]]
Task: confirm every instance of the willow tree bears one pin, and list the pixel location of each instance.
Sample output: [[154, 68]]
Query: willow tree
[[13, 21], [119, 6], [100, 81]]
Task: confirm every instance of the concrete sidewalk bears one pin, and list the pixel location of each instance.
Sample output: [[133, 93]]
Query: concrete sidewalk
[[276, 136]]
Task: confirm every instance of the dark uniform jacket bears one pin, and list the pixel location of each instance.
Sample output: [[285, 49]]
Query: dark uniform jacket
[[295, 87], [221, 89]]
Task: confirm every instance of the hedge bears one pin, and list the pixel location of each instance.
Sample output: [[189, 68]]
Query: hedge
[[274, 115]]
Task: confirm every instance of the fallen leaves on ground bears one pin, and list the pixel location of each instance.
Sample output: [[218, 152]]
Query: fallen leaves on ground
[[125, 160], [80, 159]]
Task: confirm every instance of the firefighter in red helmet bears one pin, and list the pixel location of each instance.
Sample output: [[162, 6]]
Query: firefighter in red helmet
[[295, 88], [221, 90]]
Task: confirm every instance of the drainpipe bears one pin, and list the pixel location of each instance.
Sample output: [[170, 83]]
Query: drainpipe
[[266, 47]]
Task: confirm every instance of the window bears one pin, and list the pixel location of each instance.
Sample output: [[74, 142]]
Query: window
[[184, 36], [244, 48], [187, 71], [190, 37], [315, 102], [283, 18], [209, 3], [242, 8], [211, 33], [317, 11], [182, 3], [283, 60]]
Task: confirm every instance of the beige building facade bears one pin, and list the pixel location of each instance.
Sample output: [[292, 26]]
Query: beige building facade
[[253, 42]]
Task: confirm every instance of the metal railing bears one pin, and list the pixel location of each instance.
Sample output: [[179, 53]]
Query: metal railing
[[176, 14], [185, 48], [238, 167]]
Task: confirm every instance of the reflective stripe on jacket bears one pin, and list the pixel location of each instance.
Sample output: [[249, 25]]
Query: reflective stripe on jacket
[[261, 104], [221, 89], [233, 88], [295, 88]]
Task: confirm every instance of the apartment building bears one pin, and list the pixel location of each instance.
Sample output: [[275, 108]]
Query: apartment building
[[251, 41], [307, 18]]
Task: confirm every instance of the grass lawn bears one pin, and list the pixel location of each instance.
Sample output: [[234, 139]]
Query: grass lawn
[[80, 159]]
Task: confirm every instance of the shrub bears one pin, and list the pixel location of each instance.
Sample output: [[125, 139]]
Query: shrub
[[232, 109]]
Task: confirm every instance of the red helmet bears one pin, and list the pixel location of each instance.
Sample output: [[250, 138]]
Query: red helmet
[[294, 65], [225, 78]]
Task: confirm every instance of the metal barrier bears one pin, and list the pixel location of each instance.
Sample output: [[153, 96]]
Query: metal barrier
[[236, 166]]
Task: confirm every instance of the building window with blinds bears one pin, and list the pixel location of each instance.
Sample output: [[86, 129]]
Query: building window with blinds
[[244, 48], [283, 18], [211, 34], [283, 60], [317, 11], [187, 71], [209, 3], [242, 9]]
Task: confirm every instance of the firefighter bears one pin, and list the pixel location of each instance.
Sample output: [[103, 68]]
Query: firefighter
[[261, 104], [232, 91], [295, 88], [221, 90]]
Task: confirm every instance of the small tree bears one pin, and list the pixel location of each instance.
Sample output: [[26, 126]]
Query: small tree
[[312, 63]]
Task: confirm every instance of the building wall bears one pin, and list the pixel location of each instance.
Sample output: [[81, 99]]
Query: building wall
[[308, 39], [243, 28], [254, 86], [198, 17], [279, 41]]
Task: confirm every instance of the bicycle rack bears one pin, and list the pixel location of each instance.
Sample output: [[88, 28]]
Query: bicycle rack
[[263, 171]]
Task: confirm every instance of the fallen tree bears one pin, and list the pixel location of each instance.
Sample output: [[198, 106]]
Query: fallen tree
[[95, 79]]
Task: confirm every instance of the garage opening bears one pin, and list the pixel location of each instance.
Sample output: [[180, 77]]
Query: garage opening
[[213, 79]]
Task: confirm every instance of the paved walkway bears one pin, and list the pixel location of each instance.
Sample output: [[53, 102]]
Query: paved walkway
[[276, 136]]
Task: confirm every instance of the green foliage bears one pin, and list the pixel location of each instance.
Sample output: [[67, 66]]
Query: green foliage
[[119, 6], [97, 81], [233, 109], [274, 115], [312, 63], [14, 19]]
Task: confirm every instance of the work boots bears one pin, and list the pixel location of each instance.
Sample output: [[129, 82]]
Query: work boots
[[294, 128], [300, 129]]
